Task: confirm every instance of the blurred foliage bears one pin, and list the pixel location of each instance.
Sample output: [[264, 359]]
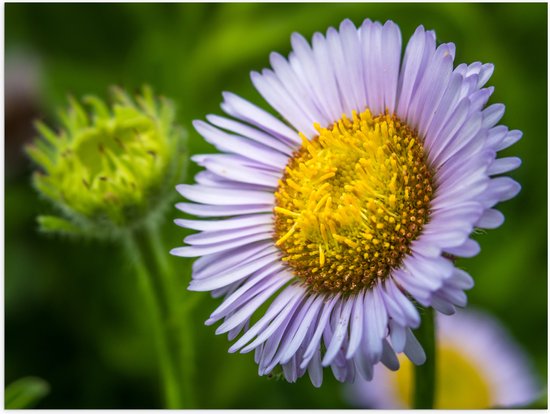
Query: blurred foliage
[[25, 393], [73, 314]]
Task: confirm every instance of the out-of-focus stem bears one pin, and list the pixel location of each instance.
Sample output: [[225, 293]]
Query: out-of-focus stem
[[424, 375], [153, 302], [177, 319]]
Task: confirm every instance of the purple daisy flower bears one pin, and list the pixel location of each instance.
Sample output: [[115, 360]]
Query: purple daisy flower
[[339, 218], [479, 365]]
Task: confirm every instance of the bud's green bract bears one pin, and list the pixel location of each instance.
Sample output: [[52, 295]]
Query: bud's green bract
[[109, 169]]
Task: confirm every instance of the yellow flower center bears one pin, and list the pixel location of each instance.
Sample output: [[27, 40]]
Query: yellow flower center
[[350, 202], [460, 383]]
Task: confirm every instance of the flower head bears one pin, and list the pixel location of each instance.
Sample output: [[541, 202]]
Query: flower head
[[342, 217], [109, 169], [478, 366]]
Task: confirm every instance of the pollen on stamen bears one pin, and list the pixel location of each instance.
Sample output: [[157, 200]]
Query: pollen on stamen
[[351, 201]]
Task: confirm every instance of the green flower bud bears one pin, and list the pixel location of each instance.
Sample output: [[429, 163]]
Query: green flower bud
[[109, 170]]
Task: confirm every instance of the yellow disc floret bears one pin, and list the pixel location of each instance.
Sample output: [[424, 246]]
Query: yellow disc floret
[[350, 202]]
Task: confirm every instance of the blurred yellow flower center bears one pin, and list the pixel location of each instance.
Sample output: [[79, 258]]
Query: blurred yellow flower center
[[460, 384], [350, 202]]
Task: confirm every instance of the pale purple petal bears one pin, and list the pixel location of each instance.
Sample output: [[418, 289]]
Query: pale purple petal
[[323, 61], [321, 323], [442, 305], [196, 251], [290, 371], [344, 73], [390, 60], [503, 165], [223, 279], [414, 350], [349, 37], [242, 174], [203, 264], [509, 139], [251, 133], [371, 37], [389, 359], [315, 369], [273, 91], [202, 210], [304, 324], [245, 312], [492, 115], [210, 265], [311, 76], [239, 145], [256, 284], [469, 248], [223, 197], [339, 333], [274, 309], [431, 89], [229, 224], [419, 50], [211, 237], [460, 280], [240, 108], [491, 219], [398, 335], [501, 189], [280, 322], [356, 325]]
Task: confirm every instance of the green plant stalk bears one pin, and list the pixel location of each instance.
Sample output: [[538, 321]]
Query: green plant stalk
[[178, 321], [424, 375], [167, 360]]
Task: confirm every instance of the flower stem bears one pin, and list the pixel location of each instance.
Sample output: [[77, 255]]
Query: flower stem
[[178, 321], [154, 304], [424, 375]]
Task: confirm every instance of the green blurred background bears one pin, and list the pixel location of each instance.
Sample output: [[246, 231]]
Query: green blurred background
[[73, 314]]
